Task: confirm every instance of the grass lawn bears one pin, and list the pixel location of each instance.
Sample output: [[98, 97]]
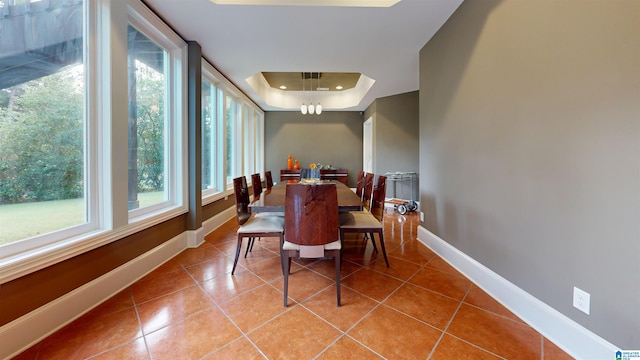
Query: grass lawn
[[21, 221]]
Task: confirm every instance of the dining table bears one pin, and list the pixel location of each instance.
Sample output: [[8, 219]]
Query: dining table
[[272, 200]]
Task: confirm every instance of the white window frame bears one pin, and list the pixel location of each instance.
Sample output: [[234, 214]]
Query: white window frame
[[249, 134], [105, 173], [225, 87], [217, 149], [21, 257], [212, 138], [259, 141], [145, 21], [105, 77]]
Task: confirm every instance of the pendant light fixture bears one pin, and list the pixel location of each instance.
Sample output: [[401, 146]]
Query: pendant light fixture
[[318, 107], [303, 108], [311, 109]]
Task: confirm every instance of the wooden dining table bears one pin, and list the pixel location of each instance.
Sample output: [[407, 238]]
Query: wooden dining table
[[273, 200]]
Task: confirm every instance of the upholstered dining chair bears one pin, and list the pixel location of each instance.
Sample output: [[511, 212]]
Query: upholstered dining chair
[[268, 180], [256, 185], [368, 190], [311, 228], [368, 222], [252, 227], [360, 184]]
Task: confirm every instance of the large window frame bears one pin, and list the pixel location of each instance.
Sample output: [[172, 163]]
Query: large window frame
[[175, 160], [12, 254], [108, 218], [246, 147], [211, 167]]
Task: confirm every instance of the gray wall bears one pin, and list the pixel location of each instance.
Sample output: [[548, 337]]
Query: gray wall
[[529, 148], [395, 139], [334, 137]]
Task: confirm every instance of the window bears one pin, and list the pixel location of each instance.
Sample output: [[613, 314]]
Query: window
[[230, 111], [231, 135], [61, 109], [156, 157], [43, 146], [259, 141], [147, 121], [249, 140], [210, 178]]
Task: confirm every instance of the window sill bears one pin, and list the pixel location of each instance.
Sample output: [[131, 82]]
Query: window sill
[[24, 263]]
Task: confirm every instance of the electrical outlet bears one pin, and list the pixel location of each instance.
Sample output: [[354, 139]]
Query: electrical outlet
[[421, 216], [581, 300]]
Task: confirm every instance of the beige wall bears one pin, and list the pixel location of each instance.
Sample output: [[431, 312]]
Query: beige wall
[[396, 139], [529, 148], [333, 137]]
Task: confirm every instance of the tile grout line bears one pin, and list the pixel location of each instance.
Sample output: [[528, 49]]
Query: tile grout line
[[142, 334], [197, 283], [216, 305], [379, 303], [444, 331]]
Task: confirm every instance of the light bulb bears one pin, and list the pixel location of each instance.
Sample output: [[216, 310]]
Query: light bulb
[[318, 109], [303, 109]]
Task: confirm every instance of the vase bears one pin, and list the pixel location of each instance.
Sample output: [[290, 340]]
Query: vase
[[289, 163], [296, 166]]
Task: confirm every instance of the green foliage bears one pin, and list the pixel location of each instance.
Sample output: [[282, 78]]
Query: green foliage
[[150, 128], [41, 140], [42, 137]]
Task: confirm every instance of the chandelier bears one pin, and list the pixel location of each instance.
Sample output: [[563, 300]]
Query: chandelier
[[311, 109]]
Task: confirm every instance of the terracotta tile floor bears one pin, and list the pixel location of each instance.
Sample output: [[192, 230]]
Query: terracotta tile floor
[[192, 308]]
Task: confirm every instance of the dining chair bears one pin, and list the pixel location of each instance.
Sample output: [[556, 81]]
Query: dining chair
[[252, 227], [311, 228], [368, 190], [256, 185], [368, 222], [360, 184], [268, 180]]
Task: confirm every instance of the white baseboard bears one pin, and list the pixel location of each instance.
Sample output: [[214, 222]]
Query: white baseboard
[[570, 336], [217, 220], [27, 330], [195, 238]]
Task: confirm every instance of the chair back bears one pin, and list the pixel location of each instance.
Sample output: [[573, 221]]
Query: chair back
[[368, 190], [268, 179], [256, 185], [360, 184], [241, 193], [311, 214], [377, 201]]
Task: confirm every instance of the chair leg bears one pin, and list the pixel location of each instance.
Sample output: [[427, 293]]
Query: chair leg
[[285, 260], [338, 260], [384, 251], [282, 253], [249, 246], [238, 247], [373, 241], [253, 241]]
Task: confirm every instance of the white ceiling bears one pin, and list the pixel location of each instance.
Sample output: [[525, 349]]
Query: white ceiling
[[242, 40]]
